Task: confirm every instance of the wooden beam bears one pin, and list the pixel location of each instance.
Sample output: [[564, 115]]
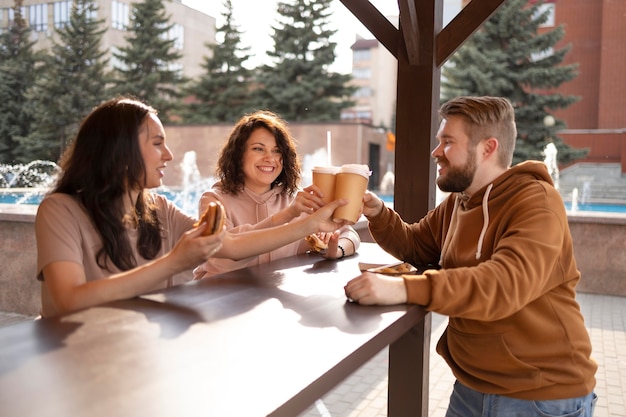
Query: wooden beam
[[375, 22], [469, 19], [409, 28]]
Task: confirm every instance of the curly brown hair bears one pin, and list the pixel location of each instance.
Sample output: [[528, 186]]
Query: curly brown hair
[[230, 164]]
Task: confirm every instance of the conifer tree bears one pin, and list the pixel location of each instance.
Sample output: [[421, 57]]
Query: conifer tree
[[148, 65], [222, 93], [508, 57], [74, 81], [299, 85], [18, 69]]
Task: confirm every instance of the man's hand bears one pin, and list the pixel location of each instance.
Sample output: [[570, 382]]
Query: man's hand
[[372, 205], [370, 288]]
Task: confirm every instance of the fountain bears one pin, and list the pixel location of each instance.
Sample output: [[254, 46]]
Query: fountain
[[574, 200], [35, 174], [26, 183], [550, 153], [193, 185], [319, 157], [585, 198], [387, 183]]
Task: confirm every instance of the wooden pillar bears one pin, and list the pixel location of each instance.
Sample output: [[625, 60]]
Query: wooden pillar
[[417, 105]]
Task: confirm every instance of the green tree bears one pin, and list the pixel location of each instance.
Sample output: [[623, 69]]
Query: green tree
[[73, 82], [508, 57], [148, 66], [18, 69], [222, 93], [299, 86]]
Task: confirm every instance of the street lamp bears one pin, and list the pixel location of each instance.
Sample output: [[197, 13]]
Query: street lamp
[[549, 120]]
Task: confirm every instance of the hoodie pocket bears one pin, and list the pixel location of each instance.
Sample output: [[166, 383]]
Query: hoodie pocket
[[487, 359]]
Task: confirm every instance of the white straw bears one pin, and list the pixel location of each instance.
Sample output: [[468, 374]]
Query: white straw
[[328, 147]]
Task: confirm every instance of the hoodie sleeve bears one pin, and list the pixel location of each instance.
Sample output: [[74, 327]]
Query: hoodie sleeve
[[416, 243]]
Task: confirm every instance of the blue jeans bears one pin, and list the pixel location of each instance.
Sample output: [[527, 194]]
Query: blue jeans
[[465, 402]]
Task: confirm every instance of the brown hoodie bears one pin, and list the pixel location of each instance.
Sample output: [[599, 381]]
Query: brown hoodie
[[507, 284]]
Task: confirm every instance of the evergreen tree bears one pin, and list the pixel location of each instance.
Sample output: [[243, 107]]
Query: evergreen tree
[[508, 57], [299, 86], [148, 65], [73, 83], [18, 69], [222, 94]]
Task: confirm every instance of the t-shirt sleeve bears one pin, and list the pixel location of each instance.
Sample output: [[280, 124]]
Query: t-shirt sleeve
[[57, 232], [174, 222]]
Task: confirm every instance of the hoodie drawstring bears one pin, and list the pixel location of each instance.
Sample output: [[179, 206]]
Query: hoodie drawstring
[[479, 248], [451, 229]]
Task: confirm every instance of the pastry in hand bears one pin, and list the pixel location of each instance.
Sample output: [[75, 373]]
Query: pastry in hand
[[317, 244], [214, 216]]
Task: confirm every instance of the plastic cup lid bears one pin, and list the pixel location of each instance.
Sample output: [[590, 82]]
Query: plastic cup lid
[[363, 170], [326, 170]]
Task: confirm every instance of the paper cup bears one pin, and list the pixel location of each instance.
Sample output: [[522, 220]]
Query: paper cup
[[324, 178], [351, 184]]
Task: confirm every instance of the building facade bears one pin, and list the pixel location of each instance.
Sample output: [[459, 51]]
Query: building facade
[[595, 30], [374, 74], [191, 29]]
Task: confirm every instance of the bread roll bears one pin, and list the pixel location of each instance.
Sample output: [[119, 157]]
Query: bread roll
[[214, 216]]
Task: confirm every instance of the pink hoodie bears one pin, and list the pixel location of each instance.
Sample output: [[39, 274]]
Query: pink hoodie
[[247, 211]]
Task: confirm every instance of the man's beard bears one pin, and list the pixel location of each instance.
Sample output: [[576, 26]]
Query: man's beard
[[458, 179]]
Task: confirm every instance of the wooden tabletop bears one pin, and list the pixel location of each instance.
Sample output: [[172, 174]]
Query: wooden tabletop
[[267, 340]]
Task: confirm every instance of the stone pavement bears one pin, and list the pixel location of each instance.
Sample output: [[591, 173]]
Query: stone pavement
[[364, 393]]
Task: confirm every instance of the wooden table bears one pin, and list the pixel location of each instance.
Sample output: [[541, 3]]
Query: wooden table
[[268, 340]]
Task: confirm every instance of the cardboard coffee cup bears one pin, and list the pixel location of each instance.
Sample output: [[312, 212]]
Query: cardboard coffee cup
[[324, 178], [351, 184]]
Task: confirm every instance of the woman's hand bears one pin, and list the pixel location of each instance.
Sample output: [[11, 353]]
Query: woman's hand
[[322, 219], [193, 249], [370, 288], [307, 201], [332, 242]]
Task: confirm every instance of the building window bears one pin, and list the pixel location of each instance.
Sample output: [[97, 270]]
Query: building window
[[538, 56], [120, 15], [364, 115], [177, 34], [62, 11], [361, 73], [549, 9], [363, 92], [38, 17], [361, 55], [115, 62]]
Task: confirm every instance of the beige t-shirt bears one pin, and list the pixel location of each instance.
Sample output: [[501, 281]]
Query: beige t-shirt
[[65, 232]]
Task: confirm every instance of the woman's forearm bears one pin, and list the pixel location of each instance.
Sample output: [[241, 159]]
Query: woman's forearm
[[255, 242]]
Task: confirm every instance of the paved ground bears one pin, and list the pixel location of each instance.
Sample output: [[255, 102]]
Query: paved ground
[[364, 394]]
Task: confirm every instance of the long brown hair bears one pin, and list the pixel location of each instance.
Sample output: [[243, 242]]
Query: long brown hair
[[230, 164], [103, 164]]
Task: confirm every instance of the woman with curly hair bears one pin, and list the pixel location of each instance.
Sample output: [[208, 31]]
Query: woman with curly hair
[[259, 173]]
